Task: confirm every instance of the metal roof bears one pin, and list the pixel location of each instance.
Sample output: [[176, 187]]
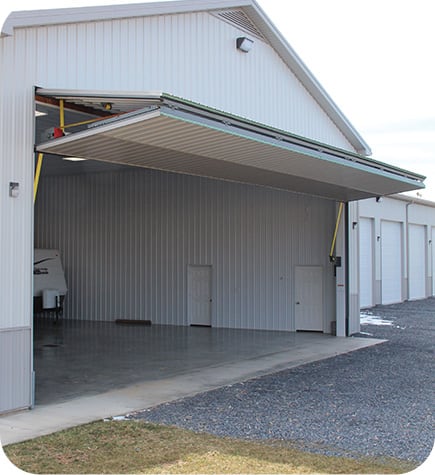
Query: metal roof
[[249, 7], [173, 134]]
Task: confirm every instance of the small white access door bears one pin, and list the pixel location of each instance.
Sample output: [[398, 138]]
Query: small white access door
[[309, 298], [199, 295]]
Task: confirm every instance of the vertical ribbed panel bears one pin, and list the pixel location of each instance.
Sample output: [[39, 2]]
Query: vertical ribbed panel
[[16, 237], [126, 239], [189, 55], [353, 269], [408, 213], [15, 369], [16, 165]]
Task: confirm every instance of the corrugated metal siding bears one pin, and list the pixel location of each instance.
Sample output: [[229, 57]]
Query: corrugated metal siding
[[127, 238], [136, 54], [15, 369], [408, 213], [190, 55], [354, 298], [16, 128]]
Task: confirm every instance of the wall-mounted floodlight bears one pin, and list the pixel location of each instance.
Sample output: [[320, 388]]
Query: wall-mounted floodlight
[[244, 44]]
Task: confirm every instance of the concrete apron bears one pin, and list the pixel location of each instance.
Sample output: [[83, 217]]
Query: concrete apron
[[42, 420]]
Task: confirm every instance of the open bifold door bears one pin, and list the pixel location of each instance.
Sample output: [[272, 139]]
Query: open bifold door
[[176, 135]]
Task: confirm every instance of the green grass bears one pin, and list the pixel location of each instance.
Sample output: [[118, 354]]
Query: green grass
[[137, 447]]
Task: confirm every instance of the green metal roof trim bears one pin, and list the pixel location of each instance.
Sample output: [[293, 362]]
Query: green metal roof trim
[[288, 137]]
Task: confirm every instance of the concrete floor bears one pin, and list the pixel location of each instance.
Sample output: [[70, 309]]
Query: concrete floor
[[77, 358], [91, 370]]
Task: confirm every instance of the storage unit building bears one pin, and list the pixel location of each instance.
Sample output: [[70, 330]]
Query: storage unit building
[[214, 202], [396, 249]]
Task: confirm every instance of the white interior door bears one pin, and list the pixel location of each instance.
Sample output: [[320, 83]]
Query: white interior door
[[366, 277], [391, 262], [417, 261], [199, 295], [309, 298]]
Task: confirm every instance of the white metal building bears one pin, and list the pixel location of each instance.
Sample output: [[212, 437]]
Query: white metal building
[[397, 260], [214, 202]]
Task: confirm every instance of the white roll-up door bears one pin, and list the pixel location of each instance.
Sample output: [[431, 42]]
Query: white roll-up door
[[366, 277], [417, 262], [391, 262]]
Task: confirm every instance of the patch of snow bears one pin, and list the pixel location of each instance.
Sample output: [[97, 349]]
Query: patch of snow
[[366, 333], [370, 319]]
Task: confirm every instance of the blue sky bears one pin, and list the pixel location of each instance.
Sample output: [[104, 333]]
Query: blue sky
[[373, 57]]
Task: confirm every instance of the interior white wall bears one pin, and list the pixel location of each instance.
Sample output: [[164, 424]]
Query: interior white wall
[[128, 237]]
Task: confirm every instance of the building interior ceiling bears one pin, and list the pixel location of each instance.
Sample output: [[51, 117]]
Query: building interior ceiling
[[48, 117]]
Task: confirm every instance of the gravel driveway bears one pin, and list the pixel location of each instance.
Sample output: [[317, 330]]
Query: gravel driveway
[[377, 401]]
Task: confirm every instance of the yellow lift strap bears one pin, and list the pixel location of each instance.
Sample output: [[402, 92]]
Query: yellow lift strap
[[41, 155], [331, 252], [37, 175]]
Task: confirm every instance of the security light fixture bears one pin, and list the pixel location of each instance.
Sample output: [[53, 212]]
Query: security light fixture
[[244, 44]]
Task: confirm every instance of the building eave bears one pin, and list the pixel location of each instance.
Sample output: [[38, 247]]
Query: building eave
[[412, 199], [295, 63], [33, 18]]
